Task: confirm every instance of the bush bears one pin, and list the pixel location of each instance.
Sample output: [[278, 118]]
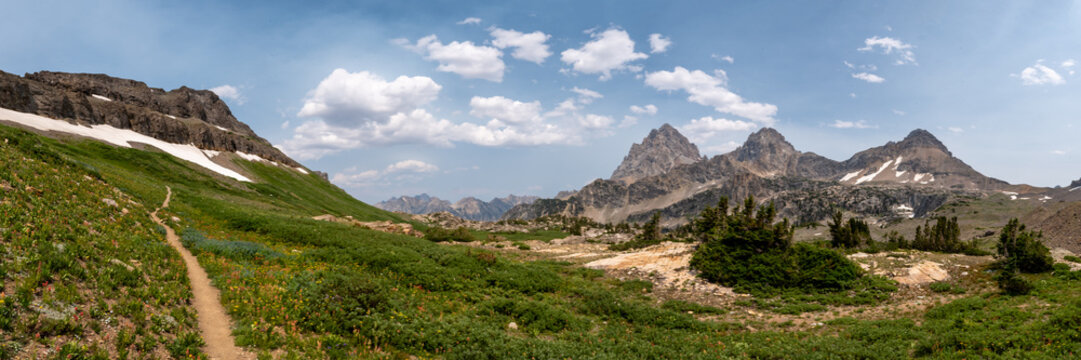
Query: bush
[[1072, 259], [1011, 283], [746, 251], [650, 235], [851, 234], [1022, 250], [438, 234], [234, 250]]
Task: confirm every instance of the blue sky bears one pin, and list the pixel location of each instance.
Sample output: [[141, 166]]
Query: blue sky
[[534, 98]]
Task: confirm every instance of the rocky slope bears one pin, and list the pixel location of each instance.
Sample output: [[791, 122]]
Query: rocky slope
[[906, 178], [663, 149], [469, 208], [179, 116]]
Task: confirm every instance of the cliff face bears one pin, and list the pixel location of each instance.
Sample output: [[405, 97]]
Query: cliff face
[[181, 116], [469, 208], [919, 170], [660, 151]]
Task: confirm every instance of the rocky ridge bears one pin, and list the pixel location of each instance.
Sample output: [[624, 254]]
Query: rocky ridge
[[663, 149], [469, 208], [180, 116], [921, 175]]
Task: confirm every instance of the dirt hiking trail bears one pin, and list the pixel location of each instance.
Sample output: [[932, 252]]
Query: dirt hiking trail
[[214, 324]]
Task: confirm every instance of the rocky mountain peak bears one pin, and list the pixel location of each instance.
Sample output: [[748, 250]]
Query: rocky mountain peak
[[663, 149], [923, 138], [764, 145]]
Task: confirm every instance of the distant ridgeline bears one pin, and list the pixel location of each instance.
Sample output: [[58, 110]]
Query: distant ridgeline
[[666, 174], [469, 208]]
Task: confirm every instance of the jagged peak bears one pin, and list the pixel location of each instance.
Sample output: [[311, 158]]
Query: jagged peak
[[923, 138], [661, 150], [762, 142]]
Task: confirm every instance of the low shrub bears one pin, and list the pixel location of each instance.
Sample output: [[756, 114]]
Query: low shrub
[[438, 234]]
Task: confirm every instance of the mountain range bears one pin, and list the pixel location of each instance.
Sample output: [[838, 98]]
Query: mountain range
[[469, 208], [666, 173]]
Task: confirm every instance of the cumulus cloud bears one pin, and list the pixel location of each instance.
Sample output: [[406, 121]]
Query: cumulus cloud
[[955, 129], [505, 110], [898, 112], [1068, 65], [352, 98], [644, 110], [710, 90], [890, 46], [611, 50], [869, 77], [594, 121], [628, 121], [462, 58], [862, 124], [658, 43], [528, 47], [703, 129], [720, 149], [1058, 152], [356, 110], [228, 92], [405, 170], [469, 20], [1039, 74]]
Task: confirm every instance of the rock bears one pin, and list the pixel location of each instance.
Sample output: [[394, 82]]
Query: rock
[[662, 150], [512, 326], [110, 202], [469, 208], [922, 273], [179, 116]]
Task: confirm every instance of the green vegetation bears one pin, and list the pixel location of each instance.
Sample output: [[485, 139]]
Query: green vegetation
[[849, 235], [298, 288], [746, 250], [1020, 251], [438, 234], [1072, 259], [649, 236], [80, 261]]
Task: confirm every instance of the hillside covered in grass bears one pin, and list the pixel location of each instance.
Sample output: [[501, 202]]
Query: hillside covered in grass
[[84, 277]]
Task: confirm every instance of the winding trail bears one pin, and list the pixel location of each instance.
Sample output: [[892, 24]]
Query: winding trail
[[214, 323]]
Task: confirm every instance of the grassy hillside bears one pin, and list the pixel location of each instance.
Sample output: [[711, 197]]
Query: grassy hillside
[[299, 288]]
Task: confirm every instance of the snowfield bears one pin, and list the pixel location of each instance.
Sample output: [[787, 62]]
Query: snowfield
[[119, 137]]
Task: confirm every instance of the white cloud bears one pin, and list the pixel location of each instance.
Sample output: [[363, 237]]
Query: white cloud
[[851, 124], [1068, 65], [586, 96], [228, 92], [611, 50], [505, 110], [658, 43], [628, 121], [352, 98], [285, 125], [898, 112], [469, 20], [1039, 74], [709, 90], [868, 67], [462, 58], [726, 58], [702, 129], [868, 77], [955, 129], [1058, 152], [888, 45], [528, 47], [411, 166], [405, 170], [648, 109], [720, 149], [593, 121]]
